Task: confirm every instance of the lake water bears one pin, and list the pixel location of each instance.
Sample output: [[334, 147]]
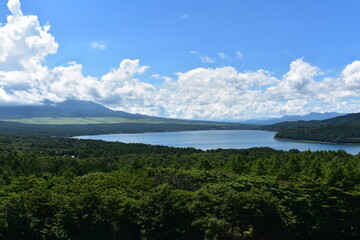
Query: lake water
[[214, 139]]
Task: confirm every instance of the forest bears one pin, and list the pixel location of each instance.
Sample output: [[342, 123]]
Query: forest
[[333, 133], [69, 130], [61, 188], [342, 129]]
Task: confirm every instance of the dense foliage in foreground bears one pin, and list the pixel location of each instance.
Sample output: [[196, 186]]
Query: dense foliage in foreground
[[53, 188]]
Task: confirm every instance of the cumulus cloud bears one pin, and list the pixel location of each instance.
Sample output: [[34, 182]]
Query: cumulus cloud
[[351, 76], [225, 93], [210, 93], [24, 43], [297, 83], [14, 7], [218, 93]]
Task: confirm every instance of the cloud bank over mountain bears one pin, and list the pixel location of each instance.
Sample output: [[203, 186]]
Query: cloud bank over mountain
[[203, 93]]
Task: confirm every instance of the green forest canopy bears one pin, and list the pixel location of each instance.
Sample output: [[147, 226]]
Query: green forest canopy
[[59, 188]]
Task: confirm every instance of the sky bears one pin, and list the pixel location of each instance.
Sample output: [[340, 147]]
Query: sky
[[205, 59]]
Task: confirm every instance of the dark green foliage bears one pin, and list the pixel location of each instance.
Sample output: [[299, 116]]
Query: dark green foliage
[[346, 119], [334, 133], [68, 130], [343, 129], [58, 188]]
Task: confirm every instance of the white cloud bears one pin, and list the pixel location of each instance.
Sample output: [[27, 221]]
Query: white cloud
[[14, 7], [207, 59], [98, 45], [297, 83], [24, 42], [210, 93], [203, 93], [156, 75], [222, 55], [203, 58], [239, 54], [351, 75]]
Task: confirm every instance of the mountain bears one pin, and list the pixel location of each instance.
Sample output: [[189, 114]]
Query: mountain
[[342, 129], [68, 108], [73, 118], [308, 117], [348, 118], [312, 116]]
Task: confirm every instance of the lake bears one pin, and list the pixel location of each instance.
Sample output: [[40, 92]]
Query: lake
[[214, 139]]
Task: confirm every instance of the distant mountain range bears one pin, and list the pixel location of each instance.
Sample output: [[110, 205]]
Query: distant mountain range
[[308, 117], [68, 108], [77, 108]]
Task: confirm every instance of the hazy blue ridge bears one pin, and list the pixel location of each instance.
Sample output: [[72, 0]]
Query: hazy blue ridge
[[308, 117]]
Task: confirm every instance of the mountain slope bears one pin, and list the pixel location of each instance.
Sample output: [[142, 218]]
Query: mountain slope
[[343, 129], [72, 117], [348, 118], [68, 108], [332, 133]]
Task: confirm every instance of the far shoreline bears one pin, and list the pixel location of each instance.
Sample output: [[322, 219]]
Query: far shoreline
[[313, 141], [199, 130]]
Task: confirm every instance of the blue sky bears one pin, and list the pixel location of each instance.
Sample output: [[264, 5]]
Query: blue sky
[[269, 34], [169, 37]]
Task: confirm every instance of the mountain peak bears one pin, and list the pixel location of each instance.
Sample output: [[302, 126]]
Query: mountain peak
[[67, 108]]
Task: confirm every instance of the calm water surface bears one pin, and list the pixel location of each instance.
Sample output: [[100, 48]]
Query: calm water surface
[[220, 139]]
